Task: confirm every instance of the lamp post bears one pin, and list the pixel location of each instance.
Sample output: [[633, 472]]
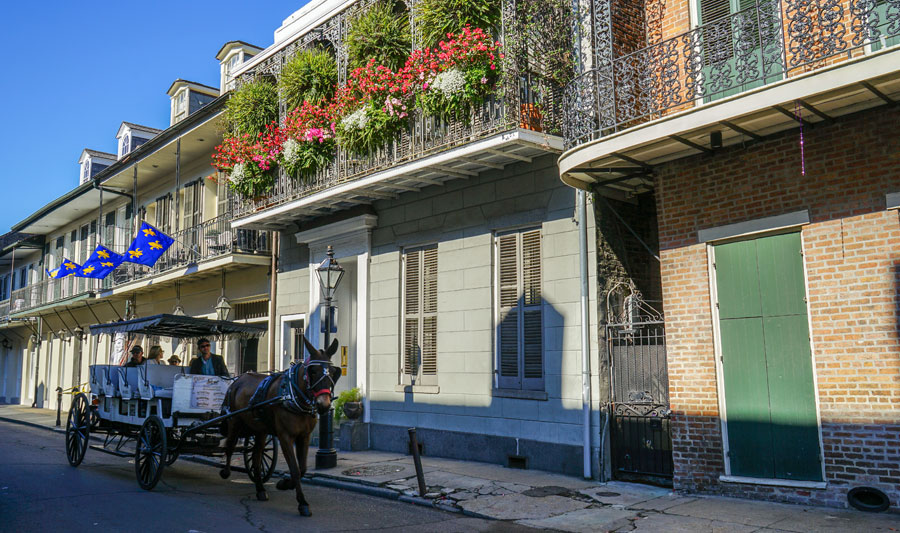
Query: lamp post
[[329, 274]]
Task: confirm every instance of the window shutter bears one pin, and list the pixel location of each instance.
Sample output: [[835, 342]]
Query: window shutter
[[508, 281], [520, 331], [420, 316], [532, 323], [717, 45]]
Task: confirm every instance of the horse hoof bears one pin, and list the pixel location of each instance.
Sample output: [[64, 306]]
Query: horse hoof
[[262, 496], [284, 484], [304, 510], [225, 473]]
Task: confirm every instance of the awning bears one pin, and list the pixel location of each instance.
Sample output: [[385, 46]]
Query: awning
[[179, 326]]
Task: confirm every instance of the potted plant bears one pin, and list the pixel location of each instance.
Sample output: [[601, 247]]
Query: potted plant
[[437, 18], [349, 404], [380, 32], [309, 76]]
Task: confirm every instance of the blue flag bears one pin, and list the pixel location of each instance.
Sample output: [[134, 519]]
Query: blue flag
[[100, 263], [148, 246], [65, 268]]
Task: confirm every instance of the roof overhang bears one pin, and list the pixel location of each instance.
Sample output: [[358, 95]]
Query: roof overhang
[[179, 326], [491, 153], [622, 161]]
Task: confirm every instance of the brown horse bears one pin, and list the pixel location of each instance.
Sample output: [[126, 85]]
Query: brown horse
[[304, 389]]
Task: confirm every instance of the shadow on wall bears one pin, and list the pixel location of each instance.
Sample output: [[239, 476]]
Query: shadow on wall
[[501, 425]]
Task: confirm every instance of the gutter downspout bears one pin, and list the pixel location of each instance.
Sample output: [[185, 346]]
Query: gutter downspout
[[273, 297], [581, 200]]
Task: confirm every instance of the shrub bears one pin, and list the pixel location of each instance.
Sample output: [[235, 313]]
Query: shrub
[[251, 108], [381, 33], [311, 76], [351, 395], [437, 18]]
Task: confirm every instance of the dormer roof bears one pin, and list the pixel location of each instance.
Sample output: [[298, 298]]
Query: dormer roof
[[97, 154], [231, 45], [136, 127], [194, 86]]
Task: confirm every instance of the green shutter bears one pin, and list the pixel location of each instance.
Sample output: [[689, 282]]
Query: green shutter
[[766, 359]]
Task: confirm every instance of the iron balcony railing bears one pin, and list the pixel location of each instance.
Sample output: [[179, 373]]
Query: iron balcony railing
[[529, 95], [770, 41], [208, 240]]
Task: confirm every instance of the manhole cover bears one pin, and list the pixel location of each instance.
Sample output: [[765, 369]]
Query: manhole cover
[[540, 492], [374, 470]]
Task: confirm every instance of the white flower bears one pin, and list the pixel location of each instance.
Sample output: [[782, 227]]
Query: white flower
[[290, 149], [449, 82], [238, 173], [356, 120]]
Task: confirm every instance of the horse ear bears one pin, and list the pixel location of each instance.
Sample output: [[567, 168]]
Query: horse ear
[[310, 348], [332, 349]]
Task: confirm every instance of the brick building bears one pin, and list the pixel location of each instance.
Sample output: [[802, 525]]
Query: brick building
[[768, 151]]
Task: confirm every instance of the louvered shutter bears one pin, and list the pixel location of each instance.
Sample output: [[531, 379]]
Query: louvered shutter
[[520, 329], [717, 41], [420, 316]]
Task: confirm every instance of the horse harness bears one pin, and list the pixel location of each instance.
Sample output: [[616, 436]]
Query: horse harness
[[291, 396]]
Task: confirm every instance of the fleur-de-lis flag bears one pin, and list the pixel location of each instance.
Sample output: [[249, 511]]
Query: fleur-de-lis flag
[[100, 263], [65, 268], [148, 246]]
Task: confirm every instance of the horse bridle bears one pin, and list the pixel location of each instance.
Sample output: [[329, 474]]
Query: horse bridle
[[307, 404]]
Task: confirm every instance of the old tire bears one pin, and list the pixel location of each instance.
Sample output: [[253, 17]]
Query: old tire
[[268, 461], [78, 429], [150, 452]]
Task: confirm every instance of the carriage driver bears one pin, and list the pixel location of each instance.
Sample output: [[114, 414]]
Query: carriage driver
[[137, 356], [208, 364]]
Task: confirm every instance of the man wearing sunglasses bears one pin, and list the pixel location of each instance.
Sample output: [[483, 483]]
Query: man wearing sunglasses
[[208, 364]]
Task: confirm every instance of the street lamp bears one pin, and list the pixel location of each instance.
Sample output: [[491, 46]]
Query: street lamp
[[223, 308], [329, 273]]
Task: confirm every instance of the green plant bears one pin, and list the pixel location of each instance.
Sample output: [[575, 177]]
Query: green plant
[[311, 76], [380, 32], [251, 108], [369, 128], [437, 18], [546, 32], [352, 395]]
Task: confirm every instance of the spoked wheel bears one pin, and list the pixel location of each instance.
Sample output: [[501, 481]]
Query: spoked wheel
[[267, 461], [171, 456], [150, 453], [78, 429]]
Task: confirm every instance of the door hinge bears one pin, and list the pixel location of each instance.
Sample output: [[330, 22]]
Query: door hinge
[[717, 305]]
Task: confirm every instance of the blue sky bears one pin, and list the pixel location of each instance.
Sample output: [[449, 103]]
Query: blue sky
[[73, 71]]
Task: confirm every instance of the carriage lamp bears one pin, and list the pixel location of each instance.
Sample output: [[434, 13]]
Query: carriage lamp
[[223, 308], [329, 274]]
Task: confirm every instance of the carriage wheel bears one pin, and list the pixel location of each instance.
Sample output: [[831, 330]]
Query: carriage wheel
[[78, 429], [171, 456], [150, 452], [267, 461]]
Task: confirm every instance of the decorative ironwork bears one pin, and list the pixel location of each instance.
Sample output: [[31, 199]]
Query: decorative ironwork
[[767, 42], [527, 98]]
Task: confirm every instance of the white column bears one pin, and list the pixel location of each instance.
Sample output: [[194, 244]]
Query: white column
[[362, 324]]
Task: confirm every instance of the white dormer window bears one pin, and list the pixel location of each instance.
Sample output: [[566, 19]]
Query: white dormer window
[[85, 170], [124, 145], [180, 105]]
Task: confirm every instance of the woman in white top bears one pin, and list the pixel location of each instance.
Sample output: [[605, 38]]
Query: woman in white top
[[155, 357]]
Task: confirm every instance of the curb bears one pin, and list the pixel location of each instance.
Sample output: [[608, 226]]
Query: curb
[[33, 424]]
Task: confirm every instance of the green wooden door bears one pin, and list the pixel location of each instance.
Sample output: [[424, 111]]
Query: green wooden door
[[766, 359], [881, 18]]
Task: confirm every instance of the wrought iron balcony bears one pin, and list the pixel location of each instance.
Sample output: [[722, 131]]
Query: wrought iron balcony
[[208, 240], [770, 41], [526, 100]]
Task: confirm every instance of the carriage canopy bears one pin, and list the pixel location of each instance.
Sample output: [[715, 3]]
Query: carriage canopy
[[178, 326]]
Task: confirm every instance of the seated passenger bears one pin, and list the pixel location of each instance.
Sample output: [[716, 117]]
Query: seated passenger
[[137, 356], [175, 360], [156, 356], [208, 364]]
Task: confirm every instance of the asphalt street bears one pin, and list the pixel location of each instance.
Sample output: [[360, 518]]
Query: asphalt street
[[40, 492]]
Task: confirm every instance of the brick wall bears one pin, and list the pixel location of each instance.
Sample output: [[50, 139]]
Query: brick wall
[[852, 253]]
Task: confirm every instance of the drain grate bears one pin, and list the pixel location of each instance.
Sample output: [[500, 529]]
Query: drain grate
[[373, 470]]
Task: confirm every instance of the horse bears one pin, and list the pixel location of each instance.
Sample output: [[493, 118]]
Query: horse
[[304, 389]]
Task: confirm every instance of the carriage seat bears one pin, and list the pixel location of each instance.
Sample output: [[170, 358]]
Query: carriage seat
[[157, 380], [128, 380], [104, 380]]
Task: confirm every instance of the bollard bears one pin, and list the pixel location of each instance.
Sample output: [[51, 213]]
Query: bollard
[[414, 444], [58, 405]]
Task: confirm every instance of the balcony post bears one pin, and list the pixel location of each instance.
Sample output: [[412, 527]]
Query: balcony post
[[177, 178]]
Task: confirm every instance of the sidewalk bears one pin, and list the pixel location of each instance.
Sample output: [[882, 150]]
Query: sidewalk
[[551, 501]]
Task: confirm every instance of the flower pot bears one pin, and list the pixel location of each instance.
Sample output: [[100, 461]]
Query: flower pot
[[353, 410], [530, 117]]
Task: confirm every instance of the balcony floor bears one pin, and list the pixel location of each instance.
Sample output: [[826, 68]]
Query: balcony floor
[[620, 163], [491, 153]]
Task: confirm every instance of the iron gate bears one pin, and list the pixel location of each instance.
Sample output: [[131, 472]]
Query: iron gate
[[640, 434]]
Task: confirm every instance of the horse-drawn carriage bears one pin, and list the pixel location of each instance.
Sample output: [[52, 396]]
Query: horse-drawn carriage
[[162, 410], [167, 412]]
